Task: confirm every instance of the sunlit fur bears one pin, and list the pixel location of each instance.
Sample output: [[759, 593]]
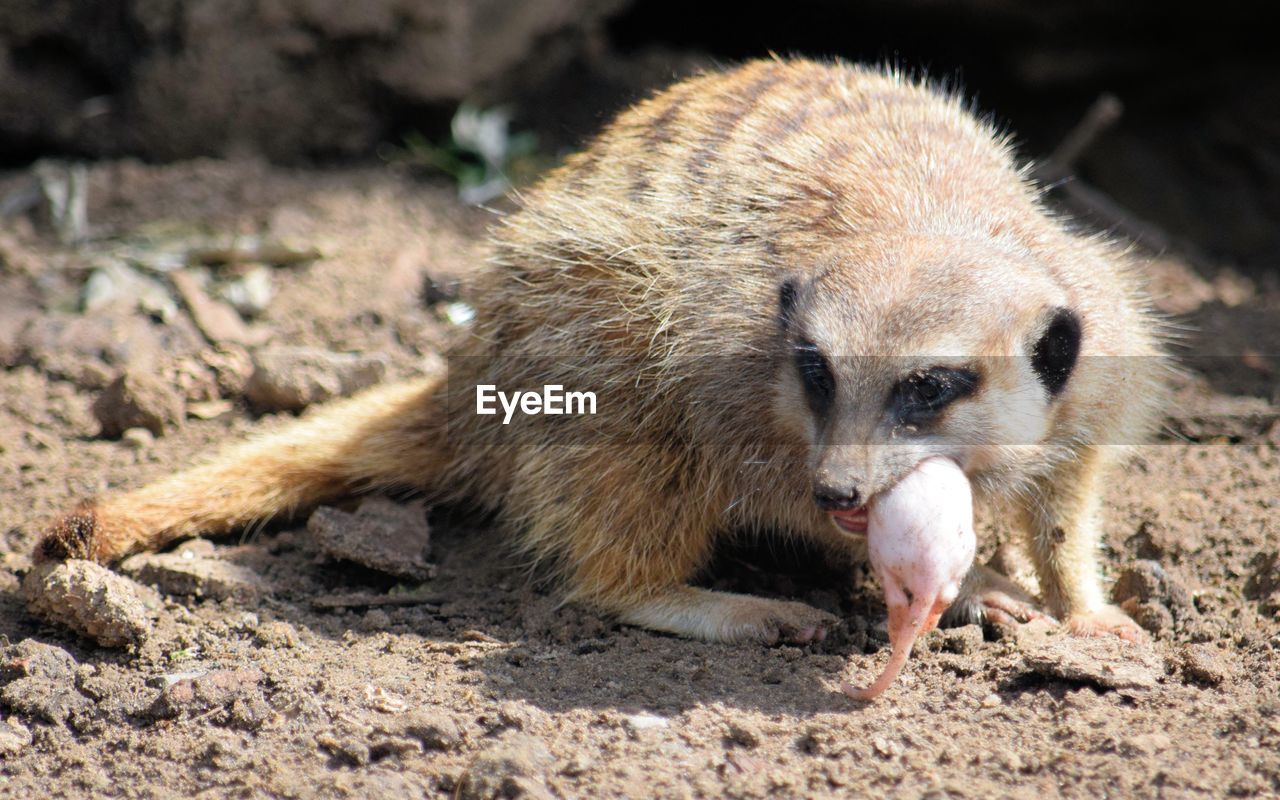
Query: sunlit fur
[[650, 265]]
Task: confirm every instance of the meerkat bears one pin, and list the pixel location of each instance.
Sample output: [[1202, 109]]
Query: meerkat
[[792, 282]]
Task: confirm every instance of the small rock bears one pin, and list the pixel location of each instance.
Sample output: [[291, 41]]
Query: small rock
[[209, 409], [743, 734], [436, 730], [137, 438], [249, 712], [1155, 539], [277, 633], [14, 737], [92, 600], [44, 699], [137, 400], [1203, 664], [347, 748], [251, 292], [645, 722], [1107, 662], [1155, 599], [375, 619], [381, 535], [91, 349], [292, 378], [1151, 616], [1263, 584], [886, 747], [512, 767], [231, 366], [965, 640], [32, 659], [206, 692], [379, 698], [40, 682], [218, 321], [117, 283], [1145, 744], [184, 573]]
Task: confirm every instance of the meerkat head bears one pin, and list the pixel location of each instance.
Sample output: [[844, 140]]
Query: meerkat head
[[909, 348]]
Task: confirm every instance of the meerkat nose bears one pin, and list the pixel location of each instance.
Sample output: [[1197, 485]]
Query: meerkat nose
[[829, 499]]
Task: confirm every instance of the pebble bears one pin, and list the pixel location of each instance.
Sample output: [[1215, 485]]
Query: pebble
[[1107, 662], [218, 321], [277, 634], [744, 734], [205, 692], [209, 409], [514, 766], [137, 438], [250, 293], [1203, 664], [435, 729], [14, 737], [292, 378], [1156, 599], [382, 535], [92, 600], [40, 682], [1145, 743], [645, 722], [138, 400], [32, 659], [965, 640], [185, 573], [115, 283]]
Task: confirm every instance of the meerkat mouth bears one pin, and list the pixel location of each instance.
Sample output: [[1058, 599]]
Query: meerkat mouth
[[853, 520]]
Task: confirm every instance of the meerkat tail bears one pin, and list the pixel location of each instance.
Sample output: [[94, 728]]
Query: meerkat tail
[[385, 436]]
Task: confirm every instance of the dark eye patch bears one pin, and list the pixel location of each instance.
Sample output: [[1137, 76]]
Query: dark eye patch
[[1055, 353], [816, 376], [919, 398]]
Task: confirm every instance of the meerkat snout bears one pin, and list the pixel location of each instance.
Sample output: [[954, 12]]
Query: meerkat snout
[[833, 498]]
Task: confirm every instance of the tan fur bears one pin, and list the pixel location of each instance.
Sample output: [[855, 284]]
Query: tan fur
[[648, 268]]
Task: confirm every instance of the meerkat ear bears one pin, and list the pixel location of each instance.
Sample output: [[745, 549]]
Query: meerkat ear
[[1054, 355], [787, 303]]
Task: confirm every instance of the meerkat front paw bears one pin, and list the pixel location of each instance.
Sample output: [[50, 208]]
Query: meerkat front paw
[[1104, 621], [779, 621]]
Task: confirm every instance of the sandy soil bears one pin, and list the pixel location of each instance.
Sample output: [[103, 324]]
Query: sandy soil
[[492, 689]]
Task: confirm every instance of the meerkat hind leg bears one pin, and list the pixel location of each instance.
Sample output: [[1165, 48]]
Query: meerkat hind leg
[[727, 617], [989, 596]]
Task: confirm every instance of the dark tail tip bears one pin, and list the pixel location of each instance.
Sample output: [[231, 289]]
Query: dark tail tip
[[73, 536]]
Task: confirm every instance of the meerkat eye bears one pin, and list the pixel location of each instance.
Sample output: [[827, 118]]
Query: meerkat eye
[[917, 398], [815, 373]]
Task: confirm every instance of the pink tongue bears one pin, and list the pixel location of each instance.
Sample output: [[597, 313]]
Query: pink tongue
[[921, 541]]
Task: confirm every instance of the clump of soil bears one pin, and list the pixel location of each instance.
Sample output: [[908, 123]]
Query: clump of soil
[[325, 677]]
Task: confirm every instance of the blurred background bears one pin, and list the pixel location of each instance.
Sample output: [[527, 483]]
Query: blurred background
[[1192, 161]]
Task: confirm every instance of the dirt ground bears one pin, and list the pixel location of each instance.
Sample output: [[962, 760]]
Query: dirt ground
[[489, 687]]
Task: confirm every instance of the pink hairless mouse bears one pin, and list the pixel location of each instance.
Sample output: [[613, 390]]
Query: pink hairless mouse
[[921, 542]]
